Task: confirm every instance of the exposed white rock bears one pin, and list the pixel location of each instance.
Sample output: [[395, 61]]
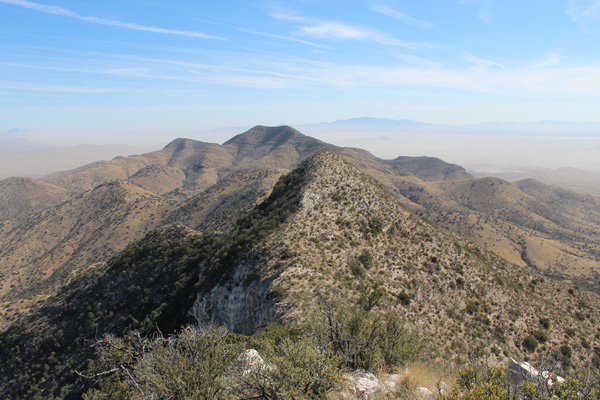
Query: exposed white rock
[[519, 372], [241, 304], [424, 393]]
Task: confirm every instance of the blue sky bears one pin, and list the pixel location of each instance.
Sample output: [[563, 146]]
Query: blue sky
[[140, 66]]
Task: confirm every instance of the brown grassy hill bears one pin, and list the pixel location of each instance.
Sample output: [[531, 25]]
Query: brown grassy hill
[[553, 230], [159, 179], [41, 254], [428, 168], [187, 167], [218, 207], [578, 180], [349, 237], [22, 197]]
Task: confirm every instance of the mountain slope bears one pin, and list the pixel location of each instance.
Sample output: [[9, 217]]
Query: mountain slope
[[185, 167], [349, 233], [23, 197], [218, 207], [550, 229], [541, 232], [41, 254], [326, 234]]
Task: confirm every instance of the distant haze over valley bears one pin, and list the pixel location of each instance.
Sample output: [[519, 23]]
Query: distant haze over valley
[[491, 148]]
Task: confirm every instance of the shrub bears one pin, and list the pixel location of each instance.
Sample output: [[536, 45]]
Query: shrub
[[294, 369], [370, 295], [530, 343], [570, 332], [476, 383], [366, 340], [472, 307], [488, 383], [276, 293], [366, 258], [566, 351], [189, 365], [540, 336], [357, 269], [545, 323], [404, 298]]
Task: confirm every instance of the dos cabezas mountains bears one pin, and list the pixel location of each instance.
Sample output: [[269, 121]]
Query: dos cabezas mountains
[[140, 242]]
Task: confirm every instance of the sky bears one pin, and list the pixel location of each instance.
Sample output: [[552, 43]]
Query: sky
[[139, 69]]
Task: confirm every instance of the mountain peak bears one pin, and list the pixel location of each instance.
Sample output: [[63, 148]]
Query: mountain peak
[[263, 135], [184, 143], [283, 146]]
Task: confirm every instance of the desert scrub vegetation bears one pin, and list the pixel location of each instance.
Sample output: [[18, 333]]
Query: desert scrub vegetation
[[207, 362], [485, 382]]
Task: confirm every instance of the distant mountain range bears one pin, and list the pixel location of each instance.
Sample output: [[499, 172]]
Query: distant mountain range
[[540, 128]]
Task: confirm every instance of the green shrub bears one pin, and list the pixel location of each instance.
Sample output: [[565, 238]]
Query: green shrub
[[472, 308], [366, 258], [566, 351], [276, 293], [540, 336], [545, 323], [357, 269], [404, 298], [479, 383], [370, 295], [189, 365], [488, 383], [294, 369], [570, 332], [366, 340], [530, 343]]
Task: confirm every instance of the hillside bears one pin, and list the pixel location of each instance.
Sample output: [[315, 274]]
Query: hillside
[[326, 234], [208, 186], [578, 180], [549, 229], [349, 231], [23, 197], [186, 167], [41, 254], [213, 184]]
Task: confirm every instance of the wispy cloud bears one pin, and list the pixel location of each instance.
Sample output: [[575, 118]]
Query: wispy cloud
[[35, 87], [484, 9], [267, 34], [64, 12], [406, 19], [552, 58], [584, 12], [137, 74], [410, 59], [320, 29], [480, 63]]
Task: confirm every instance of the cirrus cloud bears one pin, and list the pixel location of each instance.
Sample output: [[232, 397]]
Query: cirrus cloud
[[65, 12]]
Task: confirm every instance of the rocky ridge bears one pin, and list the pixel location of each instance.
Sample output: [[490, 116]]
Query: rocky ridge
[[327, 234]]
